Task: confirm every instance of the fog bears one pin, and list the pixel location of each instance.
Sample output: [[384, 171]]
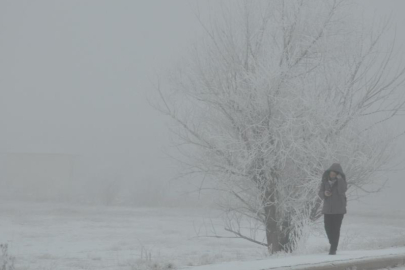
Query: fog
[[74, 81]]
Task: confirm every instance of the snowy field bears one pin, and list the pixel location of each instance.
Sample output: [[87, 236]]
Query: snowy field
[[43, 236]]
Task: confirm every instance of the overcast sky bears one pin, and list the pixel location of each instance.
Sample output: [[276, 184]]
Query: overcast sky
[[74, 74]]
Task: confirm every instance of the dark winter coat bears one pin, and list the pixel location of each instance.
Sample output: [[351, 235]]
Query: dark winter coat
[[337, 202]]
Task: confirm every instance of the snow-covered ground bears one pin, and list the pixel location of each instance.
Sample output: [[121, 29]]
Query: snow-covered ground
[[44, 236]]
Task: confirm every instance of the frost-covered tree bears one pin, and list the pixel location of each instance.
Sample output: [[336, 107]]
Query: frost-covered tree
[[274, 93]]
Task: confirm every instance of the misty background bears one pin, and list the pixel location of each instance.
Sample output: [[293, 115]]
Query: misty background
[[74, 81]]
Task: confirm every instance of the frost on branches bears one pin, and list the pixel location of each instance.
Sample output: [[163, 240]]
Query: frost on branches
[[274, 93]]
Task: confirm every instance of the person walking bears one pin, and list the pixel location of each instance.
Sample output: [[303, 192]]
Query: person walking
[[332, 191]]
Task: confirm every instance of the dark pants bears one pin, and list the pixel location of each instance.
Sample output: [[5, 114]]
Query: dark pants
[[333, 222]]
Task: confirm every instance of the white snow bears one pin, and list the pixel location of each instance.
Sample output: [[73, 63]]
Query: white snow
[[44, 236]]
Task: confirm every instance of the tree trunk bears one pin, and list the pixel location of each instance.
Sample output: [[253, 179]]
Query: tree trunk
[[286, 235], [272, 230]]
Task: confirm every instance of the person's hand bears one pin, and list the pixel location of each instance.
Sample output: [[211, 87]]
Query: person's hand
[[328, 193]]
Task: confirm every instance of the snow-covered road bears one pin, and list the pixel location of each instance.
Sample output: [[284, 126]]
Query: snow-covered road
[[318, 260]]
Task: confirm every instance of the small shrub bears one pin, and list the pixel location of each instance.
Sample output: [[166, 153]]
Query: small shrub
[[6, 261], [145, 262], [152, 265]]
